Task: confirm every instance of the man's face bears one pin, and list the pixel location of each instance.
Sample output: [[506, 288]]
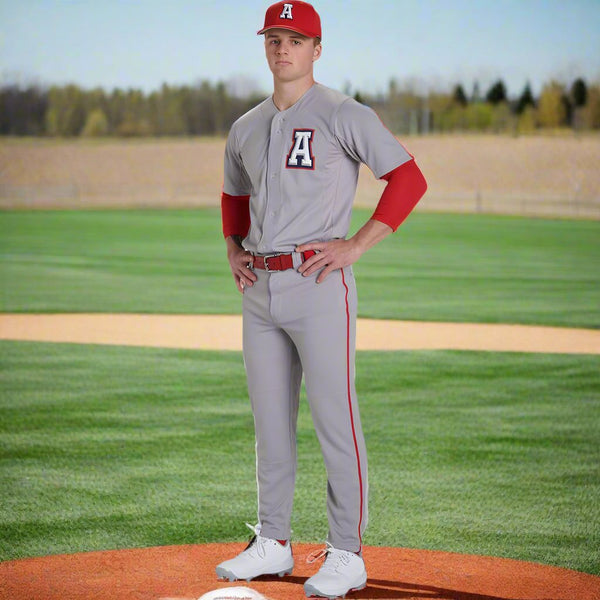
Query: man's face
[[290, 55]]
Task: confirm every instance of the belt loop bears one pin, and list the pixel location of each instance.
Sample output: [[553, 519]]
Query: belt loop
[[297, 259]]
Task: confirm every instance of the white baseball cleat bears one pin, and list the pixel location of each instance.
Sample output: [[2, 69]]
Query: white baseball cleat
[[263, 556], [342, 572]]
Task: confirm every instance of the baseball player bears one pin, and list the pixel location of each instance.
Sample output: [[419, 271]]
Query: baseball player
[[291, 169]]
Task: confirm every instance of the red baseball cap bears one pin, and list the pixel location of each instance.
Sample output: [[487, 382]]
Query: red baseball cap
[[294, 15]]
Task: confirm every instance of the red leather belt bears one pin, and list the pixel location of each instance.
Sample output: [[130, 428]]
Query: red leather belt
[[279, 262]]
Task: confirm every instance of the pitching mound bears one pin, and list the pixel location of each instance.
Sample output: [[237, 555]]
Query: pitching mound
[[188, 572]]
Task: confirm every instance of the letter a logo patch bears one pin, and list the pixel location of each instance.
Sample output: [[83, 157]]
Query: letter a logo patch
[[286, 13], [300, 155]]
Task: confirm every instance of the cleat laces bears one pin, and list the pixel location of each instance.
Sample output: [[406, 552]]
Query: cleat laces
[[315, 555], [333, 558], [256, 547]]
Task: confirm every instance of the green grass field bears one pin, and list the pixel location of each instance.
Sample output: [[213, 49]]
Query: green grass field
[[485, 453], [436, 267]]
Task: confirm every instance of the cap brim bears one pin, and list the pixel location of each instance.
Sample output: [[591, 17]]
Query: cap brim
[[308, 34]]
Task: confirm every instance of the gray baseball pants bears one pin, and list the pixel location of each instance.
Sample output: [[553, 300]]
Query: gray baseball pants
[[292, 325]]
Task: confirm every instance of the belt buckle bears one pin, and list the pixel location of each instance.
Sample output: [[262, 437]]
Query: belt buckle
[[266, 258]]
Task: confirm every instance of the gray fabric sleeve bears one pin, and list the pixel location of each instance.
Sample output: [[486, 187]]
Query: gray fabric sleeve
[[236, 181], [366, 139]]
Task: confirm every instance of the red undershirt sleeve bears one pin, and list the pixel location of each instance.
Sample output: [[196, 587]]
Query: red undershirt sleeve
[[406, 186], [235, 214]]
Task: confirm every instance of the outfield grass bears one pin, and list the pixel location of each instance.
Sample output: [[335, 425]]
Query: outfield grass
[[111, 447], [470, 268], [487, 453]]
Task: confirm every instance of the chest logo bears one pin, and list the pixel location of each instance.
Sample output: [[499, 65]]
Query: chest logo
[[301, 155], [286, 13]]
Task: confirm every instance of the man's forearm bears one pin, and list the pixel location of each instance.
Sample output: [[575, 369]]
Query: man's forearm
[[370, 234]]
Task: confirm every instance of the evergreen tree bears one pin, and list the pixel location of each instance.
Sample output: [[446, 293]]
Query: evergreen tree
[[459, 96], [525, 99], [496, 93], [579, 93]]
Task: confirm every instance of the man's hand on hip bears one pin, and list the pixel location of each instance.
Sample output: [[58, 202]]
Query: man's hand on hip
[[330, 256], [240, 262], [338, 254]]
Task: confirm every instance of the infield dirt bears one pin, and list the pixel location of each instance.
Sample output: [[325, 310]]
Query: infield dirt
[[224, 332], [187, 572], [534, 175]]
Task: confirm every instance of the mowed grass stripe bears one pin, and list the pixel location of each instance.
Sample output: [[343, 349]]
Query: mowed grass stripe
[[466, 268], [112, 447]]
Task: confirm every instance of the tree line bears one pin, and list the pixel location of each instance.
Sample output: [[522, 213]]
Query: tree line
[[210, 109], [558, 106], [70, 111]]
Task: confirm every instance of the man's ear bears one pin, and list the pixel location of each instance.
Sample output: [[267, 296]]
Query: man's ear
[[317, 52]]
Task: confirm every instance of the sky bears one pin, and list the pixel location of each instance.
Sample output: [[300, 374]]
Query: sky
[[423, 44]]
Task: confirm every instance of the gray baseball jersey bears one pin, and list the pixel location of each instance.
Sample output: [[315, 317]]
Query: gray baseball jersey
[[300, 168]]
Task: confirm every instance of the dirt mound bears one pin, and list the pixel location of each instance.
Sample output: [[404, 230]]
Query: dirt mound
[[188, 572]]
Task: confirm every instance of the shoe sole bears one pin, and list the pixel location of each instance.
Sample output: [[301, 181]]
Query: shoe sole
[[313, 592], [229, 575]]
